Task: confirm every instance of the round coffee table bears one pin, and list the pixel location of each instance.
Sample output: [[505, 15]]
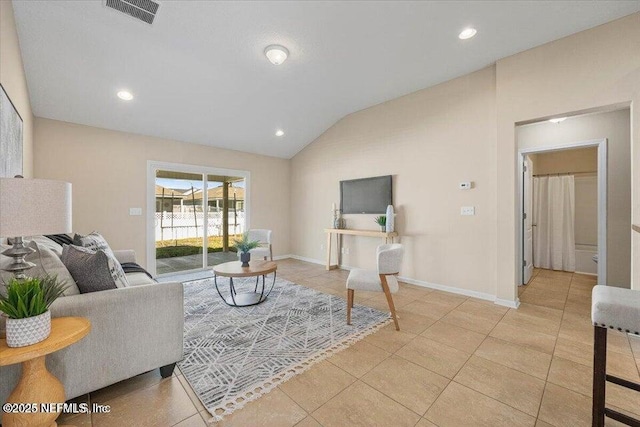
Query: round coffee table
[[235, 269]]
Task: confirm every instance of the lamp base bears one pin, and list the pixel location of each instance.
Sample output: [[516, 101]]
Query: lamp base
[[18, 251]]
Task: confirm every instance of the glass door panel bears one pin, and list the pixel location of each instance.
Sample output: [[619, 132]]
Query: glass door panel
[[226, 217], [179, 221]]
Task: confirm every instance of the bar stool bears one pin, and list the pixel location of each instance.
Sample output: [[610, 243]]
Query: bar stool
[[613, 308]]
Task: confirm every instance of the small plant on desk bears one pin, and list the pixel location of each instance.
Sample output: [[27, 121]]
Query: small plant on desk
[[381, 221]]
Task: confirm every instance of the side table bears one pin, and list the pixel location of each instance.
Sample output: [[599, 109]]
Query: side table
[[37, 384]]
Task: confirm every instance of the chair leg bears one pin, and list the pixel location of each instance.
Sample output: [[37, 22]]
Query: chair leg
[[350, 293], [387, 293], [599, 375]]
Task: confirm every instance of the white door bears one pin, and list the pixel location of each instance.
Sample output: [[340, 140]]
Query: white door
[[527, 229]]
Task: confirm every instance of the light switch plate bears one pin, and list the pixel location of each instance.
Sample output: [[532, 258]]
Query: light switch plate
[[135, 211], [468, 210]]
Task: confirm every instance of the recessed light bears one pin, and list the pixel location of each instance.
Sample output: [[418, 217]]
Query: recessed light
[[279, 132], [558, 120], [467, 33], [125, 95], [276, 54]]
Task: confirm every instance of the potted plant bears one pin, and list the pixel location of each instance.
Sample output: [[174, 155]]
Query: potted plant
[[381, 221], [26, 306], [243, 246]]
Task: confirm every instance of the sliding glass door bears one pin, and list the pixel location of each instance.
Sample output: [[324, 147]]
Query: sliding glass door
[[197, 215]]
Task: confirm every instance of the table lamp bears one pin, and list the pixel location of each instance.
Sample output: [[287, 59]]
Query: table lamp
[[31, 207]]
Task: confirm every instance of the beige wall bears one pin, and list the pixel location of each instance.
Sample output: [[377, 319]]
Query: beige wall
[[615, 127], [429, 141], [595, 68], [582, 160], [108, 170], [13, 80]]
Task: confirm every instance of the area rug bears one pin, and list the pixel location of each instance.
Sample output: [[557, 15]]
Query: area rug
[[234, 355]]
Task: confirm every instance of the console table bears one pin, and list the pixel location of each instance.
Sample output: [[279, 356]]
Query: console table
[[388, 238]]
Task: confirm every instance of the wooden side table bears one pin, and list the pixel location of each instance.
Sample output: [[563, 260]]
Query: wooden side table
[[37, 384]]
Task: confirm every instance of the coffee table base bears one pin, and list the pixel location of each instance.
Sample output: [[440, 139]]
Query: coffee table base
[[245, 300]]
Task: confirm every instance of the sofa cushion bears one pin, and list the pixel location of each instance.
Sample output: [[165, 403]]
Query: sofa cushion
[[137, 279], [93, 241], [93, 270], [47, 264]]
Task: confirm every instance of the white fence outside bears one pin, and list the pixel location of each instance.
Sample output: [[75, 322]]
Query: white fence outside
[[182, 225]]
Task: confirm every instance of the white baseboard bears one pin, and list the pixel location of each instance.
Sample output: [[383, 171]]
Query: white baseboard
[[586, 274], [451, 289], [281, 257], [508, 303]]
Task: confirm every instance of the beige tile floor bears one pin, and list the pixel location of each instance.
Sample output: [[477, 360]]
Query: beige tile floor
[[457, 361]]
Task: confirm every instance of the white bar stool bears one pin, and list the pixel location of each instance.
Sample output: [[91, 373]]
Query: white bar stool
[[611, 308]]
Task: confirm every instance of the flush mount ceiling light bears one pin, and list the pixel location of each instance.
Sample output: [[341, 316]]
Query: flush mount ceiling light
[[467, 33], [125, 95], [279, 132], [276, 54], [558, 120]]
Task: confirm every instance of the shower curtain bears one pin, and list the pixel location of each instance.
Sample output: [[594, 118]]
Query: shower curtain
[[554, 216]]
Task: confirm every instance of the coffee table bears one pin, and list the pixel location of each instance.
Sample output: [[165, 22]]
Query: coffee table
[[235, 269]]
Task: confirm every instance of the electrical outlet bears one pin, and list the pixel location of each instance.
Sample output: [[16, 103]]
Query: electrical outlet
[[346, 251], [343, 251], [468, 210], [322, 247], [135, 211]]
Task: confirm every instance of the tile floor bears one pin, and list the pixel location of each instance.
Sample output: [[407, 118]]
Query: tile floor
[[457, 361]]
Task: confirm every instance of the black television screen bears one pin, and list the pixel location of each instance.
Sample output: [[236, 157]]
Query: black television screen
[[366, 195]]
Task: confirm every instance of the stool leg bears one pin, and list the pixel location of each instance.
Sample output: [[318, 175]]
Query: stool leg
[[599, 375]]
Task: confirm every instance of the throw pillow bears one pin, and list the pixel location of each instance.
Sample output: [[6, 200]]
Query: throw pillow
[[93, 241], [47, 264], [93, 270]]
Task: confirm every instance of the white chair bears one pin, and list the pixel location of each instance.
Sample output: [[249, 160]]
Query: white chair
[[382, 280], [264, 250]]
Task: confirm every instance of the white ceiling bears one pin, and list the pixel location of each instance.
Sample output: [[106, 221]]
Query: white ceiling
[[199, 73]]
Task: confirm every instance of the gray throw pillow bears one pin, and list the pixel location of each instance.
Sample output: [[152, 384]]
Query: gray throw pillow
[[93, 270], [93, 241], [47, 264]]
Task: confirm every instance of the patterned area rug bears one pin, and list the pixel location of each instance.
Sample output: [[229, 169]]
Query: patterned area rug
[[235, 355]]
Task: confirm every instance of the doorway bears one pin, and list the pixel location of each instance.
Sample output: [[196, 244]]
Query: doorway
[[558, 230], [194, 214]]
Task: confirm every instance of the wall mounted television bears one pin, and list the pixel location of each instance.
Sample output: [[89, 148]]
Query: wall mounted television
[[366, 195]]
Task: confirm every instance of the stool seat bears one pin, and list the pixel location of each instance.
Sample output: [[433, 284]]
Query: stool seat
[[616, 308]]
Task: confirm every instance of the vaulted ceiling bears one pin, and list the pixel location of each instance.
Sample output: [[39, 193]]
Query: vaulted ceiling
[[199, 73]]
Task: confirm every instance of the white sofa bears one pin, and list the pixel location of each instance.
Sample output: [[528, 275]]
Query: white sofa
[[133, 330]]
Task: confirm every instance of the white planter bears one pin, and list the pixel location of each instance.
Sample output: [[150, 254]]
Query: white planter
[[31, 330]]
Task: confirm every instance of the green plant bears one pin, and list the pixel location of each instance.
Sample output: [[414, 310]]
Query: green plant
[[244, 244], [30, 297], [381, 220]]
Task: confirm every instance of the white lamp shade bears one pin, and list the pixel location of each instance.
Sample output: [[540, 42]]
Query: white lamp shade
[[31, 207]]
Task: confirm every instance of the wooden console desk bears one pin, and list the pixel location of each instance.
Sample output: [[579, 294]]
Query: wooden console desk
[[388, 238]]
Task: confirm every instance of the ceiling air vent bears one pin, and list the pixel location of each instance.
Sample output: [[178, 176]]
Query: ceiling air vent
[[144, 10]]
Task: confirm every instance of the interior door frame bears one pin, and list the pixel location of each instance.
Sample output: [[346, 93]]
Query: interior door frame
[[152, 167], [601, 144]]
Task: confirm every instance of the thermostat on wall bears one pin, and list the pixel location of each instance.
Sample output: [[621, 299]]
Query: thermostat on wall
[[465, 185]]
